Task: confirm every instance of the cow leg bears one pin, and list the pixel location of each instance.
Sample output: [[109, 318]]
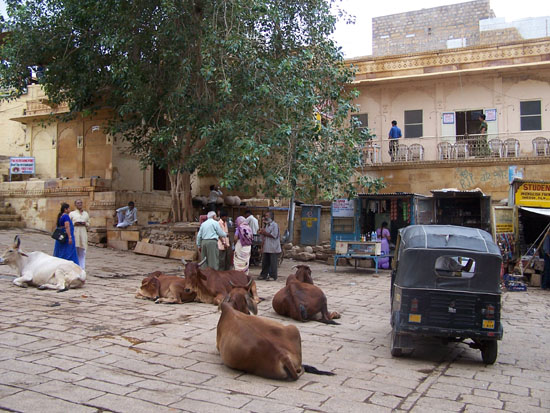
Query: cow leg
[[254, 292], [48, 287], [22, 281], [167, 300]]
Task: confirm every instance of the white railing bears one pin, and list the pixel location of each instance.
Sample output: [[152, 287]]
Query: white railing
[[448, 148]]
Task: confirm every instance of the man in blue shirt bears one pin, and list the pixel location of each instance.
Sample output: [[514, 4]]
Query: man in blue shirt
[[545, 282], [394, 135], [207, 240]]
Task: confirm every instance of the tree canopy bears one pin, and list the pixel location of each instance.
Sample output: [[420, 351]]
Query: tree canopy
[[254, 92]]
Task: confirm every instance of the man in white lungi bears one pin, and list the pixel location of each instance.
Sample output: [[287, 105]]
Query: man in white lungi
[[81, 222]]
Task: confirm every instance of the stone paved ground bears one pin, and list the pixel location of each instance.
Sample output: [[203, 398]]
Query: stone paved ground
[[98, 349]]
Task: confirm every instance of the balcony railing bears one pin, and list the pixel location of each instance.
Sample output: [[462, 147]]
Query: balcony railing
[[458, 148]]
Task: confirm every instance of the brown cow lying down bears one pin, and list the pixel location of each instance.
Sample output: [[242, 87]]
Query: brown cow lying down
[[167, 289], [211, 286], [258, 345], [301, 300]]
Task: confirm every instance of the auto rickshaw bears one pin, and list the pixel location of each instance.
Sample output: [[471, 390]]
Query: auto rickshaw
[[446, 283]]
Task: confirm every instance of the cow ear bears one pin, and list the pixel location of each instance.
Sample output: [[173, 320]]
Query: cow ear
[[16, 242], [251, 304], [23, 254]]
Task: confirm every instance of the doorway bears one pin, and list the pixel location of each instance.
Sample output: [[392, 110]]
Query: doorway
[[467, 123]]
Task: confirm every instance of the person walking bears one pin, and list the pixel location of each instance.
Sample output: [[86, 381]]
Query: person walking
[[271, 247], [224, 246], [243, 244], [207, 240], [81, 222], [545, 282], [66, 249], [394, 135]]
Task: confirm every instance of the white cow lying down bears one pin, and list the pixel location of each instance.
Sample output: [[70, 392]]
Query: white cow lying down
[[43, 270]]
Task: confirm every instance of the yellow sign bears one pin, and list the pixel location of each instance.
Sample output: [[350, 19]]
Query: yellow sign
[[504, 228], [415, 318], [533, 194], [309, 221], [489, 324], [504, 219]]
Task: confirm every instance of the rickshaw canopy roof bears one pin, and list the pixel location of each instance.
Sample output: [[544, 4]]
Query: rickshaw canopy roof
[[448, 237]]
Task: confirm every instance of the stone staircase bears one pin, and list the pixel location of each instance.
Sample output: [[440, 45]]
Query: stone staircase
[[8, 217]]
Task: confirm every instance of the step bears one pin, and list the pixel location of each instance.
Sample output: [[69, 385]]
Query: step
[[7, 210], [10, 217], [11, 224]]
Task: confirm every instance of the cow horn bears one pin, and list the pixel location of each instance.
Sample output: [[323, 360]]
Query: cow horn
[[230, 283], [295, 266], [183, 261], [202, 261], [249, 283], [17, 242]]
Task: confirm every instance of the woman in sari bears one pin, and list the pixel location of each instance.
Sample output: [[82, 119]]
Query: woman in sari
[[383, 234], [66, 250], [243, 242]]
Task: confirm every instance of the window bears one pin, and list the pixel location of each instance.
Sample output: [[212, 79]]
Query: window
[[363, 118], [451, 266], [413, 124], [343, 225], [530, 115]]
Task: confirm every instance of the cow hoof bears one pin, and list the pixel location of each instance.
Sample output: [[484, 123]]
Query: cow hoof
[[41, 287], [335, 315], [63, 289]]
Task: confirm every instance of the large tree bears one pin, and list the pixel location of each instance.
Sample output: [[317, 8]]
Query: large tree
[[252, 91]]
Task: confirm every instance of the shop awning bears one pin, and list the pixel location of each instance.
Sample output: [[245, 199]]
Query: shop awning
[[541, 211]]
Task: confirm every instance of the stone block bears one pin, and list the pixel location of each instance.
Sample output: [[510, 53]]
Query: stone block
[[113, 235], [129, 235], [152, 249], [365, 263], [117, 244], [187, 255]]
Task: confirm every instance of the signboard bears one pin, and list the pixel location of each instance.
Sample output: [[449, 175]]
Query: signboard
[[21, 165], [448, 118], [343, 208], [533, 194], [504, 219], [490, 115]]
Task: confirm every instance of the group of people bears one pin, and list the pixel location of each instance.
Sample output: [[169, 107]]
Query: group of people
[[75, 223], [214, 245]]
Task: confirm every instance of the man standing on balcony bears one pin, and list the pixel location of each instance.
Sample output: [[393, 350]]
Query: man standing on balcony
[[394, 135]]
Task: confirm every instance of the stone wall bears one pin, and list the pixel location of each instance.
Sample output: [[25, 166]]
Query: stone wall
[[429, 29]]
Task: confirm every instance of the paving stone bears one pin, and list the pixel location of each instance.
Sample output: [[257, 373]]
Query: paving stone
[[123, 404], [221, 397], [190, 405], [28, 401], [106, 386], [67, 391]]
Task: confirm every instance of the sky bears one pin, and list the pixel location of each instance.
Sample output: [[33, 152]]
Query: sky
[[356, 39]]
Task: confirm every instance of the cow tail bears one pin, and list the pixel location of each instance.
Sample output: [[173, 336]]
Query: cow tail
[[313, 370], [289, 367]]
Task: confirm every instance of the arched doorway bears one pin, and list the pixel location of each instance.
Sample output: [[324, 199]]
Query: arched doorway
[[97, 153], [44, 153], [67, 156]]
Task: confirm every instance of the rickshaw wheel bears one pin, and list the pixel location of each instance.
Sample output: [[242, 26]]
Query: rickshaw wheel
[[489, 351], [394, 350]]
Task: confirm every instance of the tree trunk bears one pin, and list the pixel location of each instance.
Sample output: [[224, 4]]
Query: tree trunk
[[180, 192]]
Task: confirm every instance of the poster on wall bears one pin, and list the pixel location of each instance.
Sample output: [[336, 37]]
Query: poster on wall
[[490, 115], [21, 165], [343, 208], [448, 118]]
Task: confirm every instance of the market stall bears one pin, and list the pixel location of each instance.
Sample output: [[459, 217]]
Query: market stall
[[463, 208]]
